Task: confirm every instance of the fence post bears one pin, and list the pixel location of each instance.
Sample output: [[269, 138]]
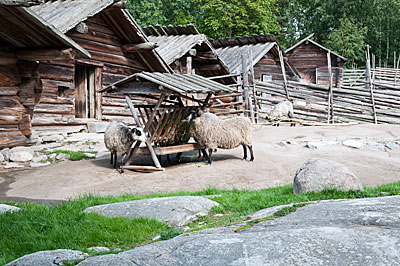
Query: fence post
[[253, 78], [330, 98], [369, 84], [283, 73], [247, 104]]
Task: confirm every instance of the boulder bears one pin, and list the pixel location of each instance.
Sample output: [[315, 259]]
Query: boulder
[[107, 260], [6, 153], [39, 158], [5, 208], [176, 211], [39, 164], [53, 138], [346, 232], [353, 144], [49, 258], [318, 174], [1, 157], [21, 156], [99, 249], [62, 156], [13, 165]]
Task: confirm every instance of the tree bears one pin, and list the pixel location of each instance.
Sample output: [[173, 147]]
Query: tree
[[349, 41], [231, 18]]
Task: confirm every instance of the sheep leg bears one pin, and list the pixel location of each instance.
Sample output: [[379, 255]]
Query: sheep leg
[[199, 156], [251, 153], [244, 152], [204, 152], [115, 160], [123, 162], [111, 161], [178, 156], [209, 156]]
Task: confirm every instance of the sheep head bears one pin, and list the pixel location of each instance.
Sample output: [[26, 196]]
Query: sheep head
[[195, 114], [138, 134]]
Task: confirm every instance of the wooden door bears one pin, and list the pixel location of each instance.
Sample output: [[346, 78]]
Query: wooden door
[[86, 99]]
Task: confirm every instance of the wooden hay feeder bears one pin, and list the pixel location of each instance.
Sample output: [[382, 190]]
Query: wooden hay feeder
[[164, 122]]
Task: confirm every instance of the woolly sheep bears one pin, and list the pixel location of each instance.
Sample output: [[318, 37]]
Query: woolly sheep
[[282, 109], [119, 138], [224, 134]]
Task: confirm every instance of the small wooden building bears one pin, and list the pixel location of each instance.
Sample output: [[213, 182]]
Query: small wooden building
[[311, 60], [265, 57], [185, 50], [118, 48], [163, 121], [25, 40]]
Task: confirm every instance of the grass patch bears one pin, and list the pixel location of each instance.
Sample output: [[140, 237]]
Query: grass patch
[[41, 227], [74, 155]]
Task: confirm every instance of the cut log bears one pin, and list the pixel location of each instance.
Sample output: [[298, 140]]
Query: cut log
[[138, 47], [45, 54]]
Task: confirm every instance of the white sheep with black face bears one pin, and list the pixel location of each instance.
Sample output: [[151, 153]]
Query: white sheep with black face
[[224, 134], [119, 138]]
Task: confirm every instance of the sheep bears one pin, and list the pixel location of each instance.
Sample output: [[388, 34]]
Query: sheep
[[224, 134], [282, 109], [119, 138]]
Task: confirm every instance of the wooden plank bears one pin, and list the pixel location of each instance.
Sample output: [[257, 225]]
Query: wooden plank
[[133, 111], [156, 131], [176, 122], [143, 168], [98, 95]]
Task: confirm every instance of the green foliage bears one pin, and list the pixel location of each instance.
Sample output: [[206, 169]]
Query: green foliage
[[348, 40], [227, 18], [74, 155]]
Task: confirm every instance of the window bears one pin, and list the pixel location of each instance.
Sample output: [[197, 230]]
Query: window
[[266, 78], [63, 92]]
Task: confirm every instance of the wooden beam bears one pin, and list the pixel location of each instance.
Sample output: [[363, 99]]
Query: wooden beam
[[118, 5], [213, 67], [138, 47], [137, 88], [283, 73], [7, 58], [82, 28], [17, 3], [189, 65], [45, 54]]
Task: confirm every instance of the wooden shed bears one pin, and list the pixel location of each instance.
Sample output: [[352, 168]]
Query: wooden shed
[[118, 48], [185, 50], [163, 121], [311, 60], [265, 56], [25, 40]]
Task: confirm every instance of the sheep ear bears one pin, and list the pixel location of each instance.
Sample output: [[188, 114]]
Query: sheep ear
[[138, 132], [199, 112]]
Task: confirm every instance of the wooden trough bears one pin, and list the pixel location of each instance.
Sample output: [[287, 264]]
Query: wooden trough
[[164, 122]]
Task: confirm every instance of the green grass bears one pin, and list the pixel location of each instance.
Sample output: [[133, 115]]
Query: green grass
[[40, 227], [74, 155]]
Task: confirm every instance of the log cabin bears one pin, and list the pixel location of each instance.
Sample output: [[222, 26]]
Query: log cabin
[[265, 56], [311, 60], [185, 50], [25, 41], [118, 48]]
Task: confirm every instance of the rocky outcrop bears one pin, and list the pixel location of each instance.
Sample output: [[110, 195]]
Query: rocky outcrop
[[319, 174], [49, 258]]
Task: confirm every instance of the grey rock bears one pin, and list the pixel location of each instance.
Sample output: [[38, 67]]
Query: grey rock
[[353, 144], [351, 232], [318, 174], [281, 143], [317, 145], [6, 153], [53, 138], [13, 165], [99, 249], [102, 154], [90, 155], [49, 258], [97, 127], [392, 146], [1, 157], [39, 164], [39, 158], [62, 156], [106, 260], [82, 137], [176, 211], [292, 142], [375, 147], [21, 155], [6, 208], [52, 156]]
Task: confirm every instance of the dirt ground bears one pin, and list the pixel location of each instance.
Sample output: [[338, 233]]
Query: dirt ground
[[274, 165]]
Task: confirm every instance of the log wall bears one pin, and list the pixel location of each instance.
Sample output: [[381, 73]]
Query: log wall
[[268, 66], [104, 44], [307, 57]]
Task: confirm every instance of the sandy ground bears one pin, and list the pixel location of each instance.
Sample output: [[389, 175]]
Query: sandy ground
[[274, 165]]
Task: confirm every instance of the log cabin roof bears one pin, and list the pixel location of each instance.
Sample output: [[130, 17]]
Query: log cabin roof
[[22, 28], [67, 14], [230, 50], [308, 39], [176, 83], [176, 41]]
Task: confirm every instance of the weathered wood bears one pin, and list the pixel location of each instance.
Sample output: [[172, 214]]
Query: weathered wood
[[45, 54], [20, 3], [9, 76], [189, 65], [7, 58], [210, 67], [82, 28], [139, 47], [143, 168], [283, 72], [133, 111], [9, 91]]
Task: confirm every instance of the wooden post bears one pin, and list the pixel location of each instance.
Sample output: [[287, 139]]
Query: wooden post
[[330, 104], [283, 73], [189, 65], [369, 83], [316, 76], [246, 87], [133, 111], [253, 86]]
